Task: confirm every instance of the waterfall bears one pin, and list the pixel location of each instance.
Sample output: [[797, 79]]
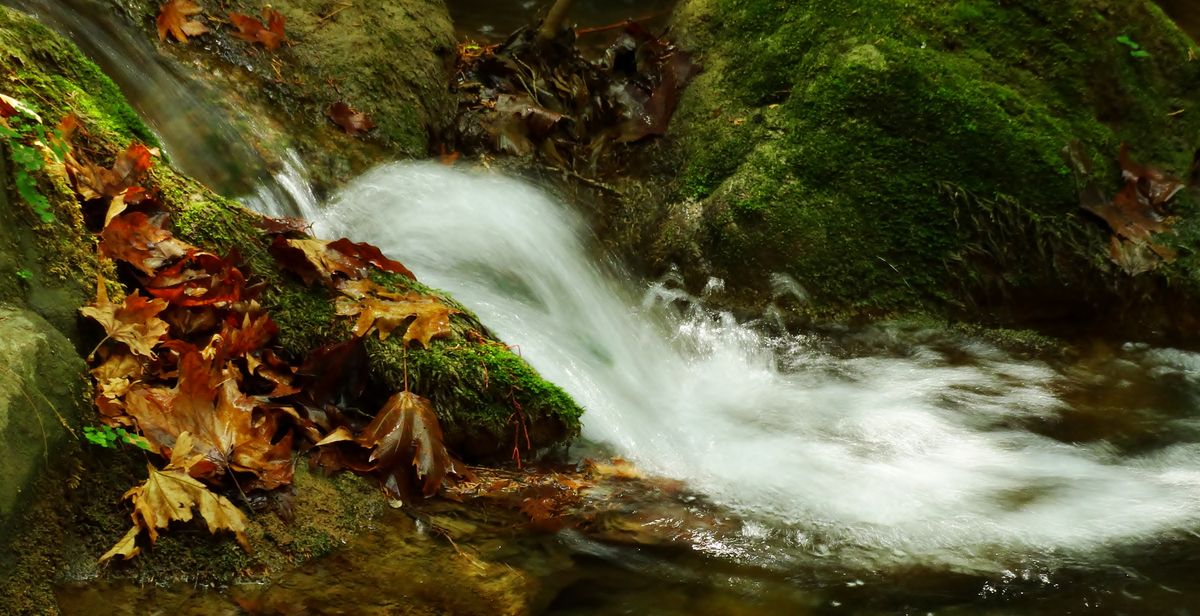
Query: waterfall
[[923, 454]]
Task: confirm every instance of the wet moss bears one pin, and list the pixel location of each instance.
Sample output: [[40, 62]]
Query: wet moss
[[486, 396], [834, 141]]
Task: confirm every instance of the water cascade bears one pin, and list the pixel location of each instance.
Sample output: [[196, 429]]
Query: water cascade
[[925, 454]]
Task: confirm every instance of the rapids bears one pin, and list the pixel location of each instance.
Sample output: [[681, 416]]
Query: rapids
[[924, 453]]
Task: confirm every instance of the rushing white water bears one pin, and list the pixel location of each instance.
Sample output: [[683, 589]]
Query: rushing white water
[[920, 455]]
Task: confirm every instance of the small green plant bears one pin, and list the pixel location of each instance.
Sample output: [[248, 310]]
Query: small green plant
[[27, 161], [24, 275], [108, 437], [1135, 49]]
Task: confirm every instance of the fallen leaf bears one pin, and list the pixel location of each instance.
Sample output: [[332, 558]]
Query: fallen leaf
[[95, 182], [351, 121], [207, 404], [139, 240], [430, 317], [269, 32], [198, 279], [316, 260], [170, 495], [174, 19], [133, 322], [370, 254], [405, 437]]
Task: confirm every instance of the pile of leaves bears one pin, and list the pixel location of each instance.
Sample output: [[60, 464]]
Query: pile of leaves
[[1136, 214], [188, 367], [535, 97]]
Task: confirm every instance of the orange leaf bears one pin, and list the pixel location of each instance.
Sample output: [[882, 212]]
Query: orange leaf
[[138, 240], [173, 18], [430, 317], [270, 34]]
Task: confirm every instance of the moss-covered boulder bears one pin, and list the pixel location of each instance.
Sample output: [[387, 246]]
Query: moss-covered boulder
[[896, 156], [48, 264], [390, 59]]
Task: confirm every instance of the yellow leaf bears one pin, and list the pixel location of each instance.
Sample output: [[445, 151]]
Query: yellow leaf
[[126, 548], [134, 321], [431, 318]]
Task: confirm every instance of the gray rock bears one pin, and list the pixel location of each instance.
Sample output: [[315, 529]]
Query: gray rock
[[41, 394]]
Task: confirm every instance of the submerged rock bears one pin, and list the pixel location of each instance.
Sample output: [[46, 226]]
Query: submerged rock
[[893, 157]]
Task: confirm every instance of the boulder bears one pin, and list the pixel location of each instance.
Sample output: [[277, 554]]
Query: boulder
[[891, 157]]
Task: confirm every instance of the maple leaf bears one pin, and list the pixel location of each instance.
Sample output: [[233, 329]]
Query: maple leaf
[[268, 32], [207, 404], [134, 321], [173, 19], [430, 317], [94, 182], [114, 378], [405, 437], [351, 121], [316, 260], [138, 240], [171, 494]]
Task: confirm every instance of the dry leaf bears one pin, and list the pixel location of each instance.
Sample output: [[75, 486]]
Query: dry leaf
[[268, 32], [134, 322], [171, 494], [430, 317], [405, 437]]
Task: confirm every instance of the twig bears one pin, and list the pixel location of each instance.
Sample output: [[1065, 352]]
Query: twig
[[618, 25], [341, 7]]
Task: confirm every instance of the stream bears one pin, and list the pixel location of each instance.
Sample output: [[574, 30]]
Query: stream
[[899, 468]]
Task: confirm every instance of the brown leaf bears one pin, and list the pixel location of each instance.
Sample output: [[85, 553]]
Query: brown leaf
[[351, 121], [405, 437], [170, 495], [312, 260], [207, 403], [370, 254], [134, 322], [268, 32], [95, 182], [173, 19], [140, 241], [430, 317]]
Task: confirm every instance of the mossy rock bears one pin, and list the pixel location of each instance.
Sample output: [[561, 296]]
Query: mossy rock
[[895, 157], [391, 59], [481, 389]]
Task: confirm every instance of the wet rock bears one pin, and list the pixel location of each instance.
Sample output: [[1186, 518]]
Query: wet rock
[[390, 59]]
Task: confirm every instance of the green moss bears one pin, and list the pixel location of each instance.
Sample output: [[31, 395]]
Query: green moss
[[483, 392], [823, 136]]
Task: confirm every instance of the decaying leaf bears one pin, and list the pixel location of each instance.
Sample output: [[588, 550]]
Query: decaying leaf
[[171, 494], [1136, 214], [351, 121], [405, 437], [430, 317], [174, 18], [268, 32], [134, 321], [139, 241]]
